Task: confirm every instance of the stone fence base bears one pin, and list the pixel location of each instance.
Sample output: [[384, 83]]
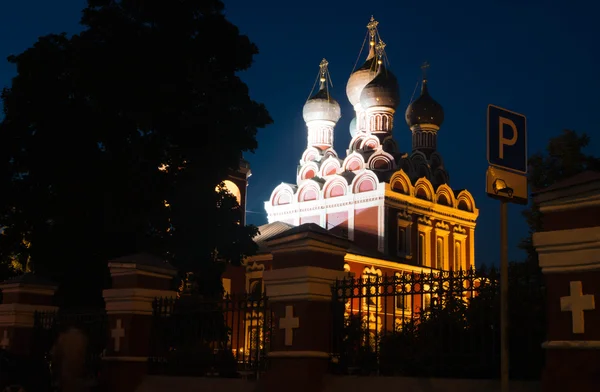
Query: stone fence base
[[195, 384], [337, 384], [361, 384]]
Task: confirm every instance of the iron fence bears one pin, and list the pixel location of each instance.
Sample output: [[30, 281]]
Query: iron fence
[[441, 324], [193, 336]]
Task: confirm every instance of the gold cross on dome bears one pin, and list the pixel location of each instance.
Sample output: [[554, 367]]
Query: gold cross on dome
[[372, 26], [379, 48], [323, 66], [424, 68]]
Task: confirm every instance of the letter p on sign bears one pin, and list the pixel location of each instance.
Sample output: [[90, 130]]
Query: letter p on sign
[[507, 139]]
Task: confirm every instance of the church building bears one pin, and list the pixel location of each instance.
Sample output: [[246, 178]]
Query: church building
[[397, 207]]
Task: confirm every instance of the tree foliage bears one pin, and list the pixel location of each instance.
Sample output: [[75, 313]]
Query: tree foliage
[[90, 119], [564, 157]]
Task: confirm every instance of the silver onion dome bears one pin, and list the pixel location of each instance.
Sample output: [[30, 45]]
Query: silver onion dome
[[383, 90], [321, 107]]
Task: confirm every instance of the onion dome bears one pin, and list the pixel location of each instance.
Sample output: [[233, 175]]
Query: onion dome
[[424, 110], [383, 90], [321, 107], [361, 77], [353, 129]]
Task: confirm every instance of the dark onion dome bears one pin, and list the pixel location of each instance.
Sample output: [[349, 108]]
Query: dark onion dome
[[353, 129], [424, 110], [361, 77], [383, 90], [321, 107]]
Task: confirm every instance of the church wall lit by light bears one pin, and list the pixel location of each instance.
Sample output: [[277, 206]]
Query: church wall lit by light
[[397, 208]]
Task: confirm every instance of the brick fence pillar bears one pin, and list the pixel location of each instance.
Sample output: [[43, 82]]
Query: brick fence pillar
[[306, 262], [22, 296], [136, 281], [569, 255]]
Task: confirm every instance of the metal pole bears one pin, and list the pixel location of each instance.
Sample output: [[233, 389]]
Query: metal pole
[[504, 296]]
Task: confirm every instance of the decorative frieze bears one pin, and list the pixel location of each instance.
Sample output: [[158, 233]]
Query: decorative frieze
[[425, 220], [459, 229]]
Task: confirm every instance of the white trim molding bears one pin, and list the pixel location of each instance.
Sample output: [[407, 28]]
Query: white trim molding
[[21, 288], [21, 315], [568, 250], [573, 344], [301, 283], [134, 300]]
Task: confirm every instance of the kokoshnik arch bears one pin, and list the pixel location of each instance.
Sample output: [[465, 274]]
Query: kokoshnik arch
[[397, 208]]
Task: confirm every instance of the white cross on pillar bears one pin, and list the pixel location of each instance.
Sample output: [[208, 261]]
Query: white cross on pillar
[[5, 340], [289, 323], [576, 303], [117, 333]]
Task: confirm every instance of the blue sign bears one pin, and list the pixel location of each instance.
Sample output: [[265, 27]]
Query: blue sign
[[506, 139]]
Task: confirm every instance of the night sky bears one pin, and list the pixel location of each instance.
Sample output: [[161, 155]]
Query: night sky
[[536, 57]]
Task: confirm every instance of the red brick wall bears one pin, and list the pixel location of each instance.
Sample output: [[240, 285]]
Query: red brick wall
[[337, 223], [365, 227]]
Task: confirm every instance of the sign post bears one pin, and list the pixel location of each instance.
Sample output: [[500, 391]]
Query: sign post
[[506, 180]]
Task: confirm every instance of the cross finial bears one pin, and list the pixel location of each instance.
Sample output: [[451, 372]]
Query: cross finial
[[323, 66], [372, 26], [323, 72], [379, 49], [424, 67]]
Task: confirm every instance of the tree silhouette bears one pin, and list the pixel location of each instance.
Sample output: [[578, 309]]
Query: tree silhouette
[[90, 119], [564, 158]]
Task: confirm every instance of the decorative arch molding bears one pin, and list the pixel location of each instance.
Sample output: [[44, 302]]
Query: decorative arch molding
[[329, 166], [335, 186], [389, 145], [310, 190], [330, 152], [354, 162], [310, 154], [400, 182], [423, 187], [372, 271], [423, 170], [408, 167], [445, 196], [283, 194], [254, 266], [418, 157], [465, 201], [365, 182], [370, 143], [308, 171], [356, 141], [381, 160], [436, 160], [440, 177]]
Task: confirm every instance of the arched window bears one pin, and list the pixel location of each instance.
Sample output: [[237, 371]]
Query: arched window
[[422, 253], [234, 190], [457, 255], [439, 253]]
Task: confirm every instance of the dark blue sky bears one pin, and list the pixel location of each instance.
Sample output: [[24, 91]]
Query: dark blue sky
[[537, 57]]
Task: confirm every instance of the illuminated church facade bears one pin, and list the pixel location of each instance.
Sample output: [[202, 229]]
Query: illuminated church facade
[[397, 208]]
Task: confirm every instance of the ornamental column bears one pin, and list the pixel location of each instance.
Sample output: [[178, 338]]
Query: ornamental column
[[137, 281], [22, 296], [307, 260], [569, 255]]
